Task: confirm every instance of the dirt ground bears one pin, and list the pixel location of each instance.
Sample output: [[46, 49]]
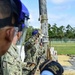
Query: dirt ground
[[63, 60], [69, 72]]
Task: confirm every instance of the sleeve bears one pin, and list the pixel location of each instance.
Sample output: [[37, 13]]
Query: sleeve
[[45, 72], [9, 65], [27, 66], [8, 68]]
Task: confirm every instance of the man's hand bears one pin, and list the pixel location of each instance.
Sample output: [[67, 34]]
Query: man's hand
[[52, 66]]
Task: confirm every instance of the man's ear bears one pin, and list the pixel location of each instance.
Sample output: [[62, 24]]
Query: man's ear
[[18, 35], [9, 34]]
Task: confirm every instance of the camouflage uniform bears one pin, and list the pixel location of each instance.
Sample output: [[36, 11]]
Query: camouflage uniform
[[40, 50], [33, 50], [30, 50], [12, 64], [39, 53]]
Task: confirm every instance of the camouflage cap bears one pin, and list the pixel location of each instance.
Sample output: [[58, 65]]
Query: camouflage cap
[[34, 32]]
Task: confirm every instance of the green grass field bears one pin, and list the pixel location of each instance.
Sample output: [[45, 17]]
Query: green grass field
[[64, 48]]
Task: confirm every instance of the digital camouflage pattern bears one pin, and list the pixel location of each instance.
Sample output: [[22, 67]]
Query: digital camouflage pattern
[[33, 50], [12, 64], [30, 50], [40, 49], [39, 55]]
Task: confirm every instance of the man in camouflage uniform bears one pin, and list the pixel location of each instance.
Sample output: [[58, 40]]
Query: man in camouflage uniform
[[9, 14], [30, 48], [33, 48], [39, 48], [39, 51], [11, 60], [12, 64]]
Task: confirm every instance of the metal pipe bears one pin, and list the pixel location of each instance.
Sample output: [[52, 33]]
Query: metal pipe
[[44, 22]]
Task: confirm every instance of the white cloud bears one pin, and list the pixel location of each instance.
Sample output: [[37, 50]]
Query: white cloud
[[71, 20], [62, 7], [34, 19], [62, 19], [59, 19], [60, 1], [31, 18], [55, 17]]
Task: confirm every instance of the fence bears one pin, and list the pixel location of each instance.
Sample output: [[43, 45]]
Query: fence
[[62, 40]]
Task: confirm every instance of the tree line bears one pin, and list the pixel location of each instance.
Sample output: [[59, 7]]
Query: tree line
[[55, 32], [61, 32]]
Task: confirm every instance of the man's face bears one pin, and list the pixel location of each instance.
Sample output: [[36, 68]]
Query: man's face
[[6, 37]]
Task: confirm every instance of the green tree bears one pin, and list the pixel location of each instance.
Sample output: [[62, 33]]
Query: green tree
[[60, 32], [69, 31], [49, 31], [74, 32], [29, 32], [54, 30]]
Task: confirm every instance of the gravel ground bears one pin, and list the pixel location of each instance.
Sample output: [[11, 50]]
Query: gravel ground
[[68, 63]]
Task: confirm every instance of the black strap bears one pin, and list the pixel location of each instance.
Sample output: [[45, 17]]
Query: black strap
[[6, 21]]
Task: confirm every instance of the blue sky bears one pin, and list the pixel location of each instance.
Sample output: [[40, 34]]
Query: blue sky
[[61, 12]]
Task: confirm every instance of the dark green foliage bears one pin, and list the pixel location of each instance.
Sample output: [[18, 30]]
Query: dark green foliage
[[61, 32]]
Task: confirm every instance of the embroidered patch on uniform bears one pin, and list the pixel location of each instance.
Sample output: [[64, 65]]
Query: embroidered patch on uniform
[[54, 68]]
